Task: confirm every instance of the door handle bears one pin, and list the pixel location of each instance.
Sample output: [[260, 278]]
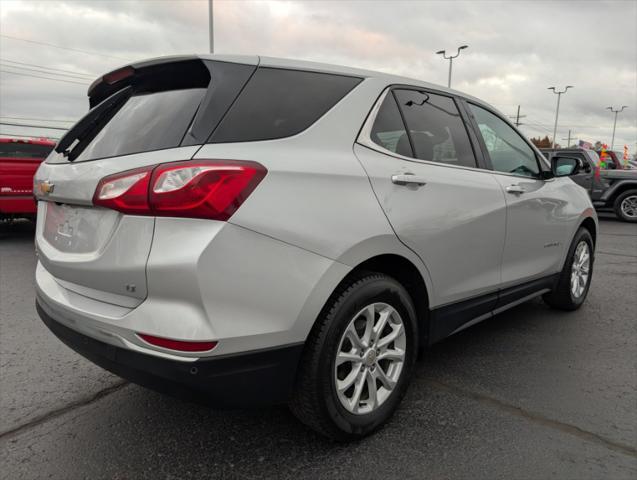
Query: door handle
[[515, 189], [407, 179]]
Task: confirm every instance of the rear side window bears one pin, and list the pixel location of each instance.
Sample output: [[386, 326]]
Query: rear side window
[[278, 103], [436, 129], [146, 122], [389, 130], [24, 150]]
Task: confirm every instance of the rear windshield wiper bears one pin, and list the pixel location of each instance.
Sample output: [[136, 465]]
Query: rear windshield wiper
[[84, 130]]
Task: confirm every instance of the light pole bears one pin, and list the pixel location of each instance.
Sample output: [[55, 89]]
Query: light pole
[[557, 110], [612, 142], [450, 58], [210, 28]]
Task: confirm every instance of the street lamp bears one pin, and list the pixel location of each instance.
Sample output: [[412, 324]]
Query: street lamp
[[450, 58], [557, 110], [612, 142]]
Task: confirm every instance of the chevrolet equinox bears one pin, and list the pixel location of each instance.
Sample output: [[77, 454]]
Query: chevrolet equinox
[[254, 230]]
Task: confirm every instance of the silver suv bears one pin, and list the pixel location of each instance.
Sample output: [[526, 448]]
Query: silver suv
[[256, 230]]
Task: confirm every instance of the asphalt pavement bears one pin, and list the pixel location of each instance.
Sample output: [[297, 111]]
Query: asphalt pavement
[[530, 394]]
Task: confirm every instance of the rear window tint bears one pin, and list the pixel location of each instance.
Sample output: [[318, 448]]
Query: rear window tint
[[145, 122], [152, 109], [24, 150], [278, 103]]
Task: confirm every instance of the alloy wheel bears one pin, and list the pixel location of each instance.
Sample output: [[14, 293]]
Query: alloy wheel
[[629, 206], [370, 358], [580, 269]]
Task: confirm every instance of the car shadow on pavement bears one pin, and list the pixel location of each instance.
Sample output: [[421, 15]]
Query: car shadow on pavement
[[16, 229]]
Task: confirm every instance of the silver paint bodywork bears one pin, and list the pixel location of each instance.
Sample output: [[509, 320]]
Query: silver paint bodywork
[[326, 204]]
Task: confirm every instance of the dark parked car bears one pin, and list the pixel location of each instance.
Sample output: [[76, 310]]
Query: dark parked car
[[612, 189]]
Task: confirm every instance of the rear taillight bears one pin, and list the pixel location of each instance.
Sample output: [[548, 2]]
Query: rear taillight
[[126, 191], [212, 189]]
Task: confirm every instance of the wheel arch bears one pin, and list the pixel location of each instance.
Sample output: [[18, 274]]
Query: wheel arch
[[589, 224], [401, 269], [617, 189], [587, 220]]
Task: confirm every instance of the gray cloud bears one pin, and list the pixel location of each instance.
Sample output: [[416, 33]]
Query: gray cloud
[[517, 49]]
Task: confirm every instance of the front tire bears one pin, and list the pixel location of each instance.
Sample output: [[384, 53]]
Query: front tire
[[625, 206], [358, 358], [575, 278]]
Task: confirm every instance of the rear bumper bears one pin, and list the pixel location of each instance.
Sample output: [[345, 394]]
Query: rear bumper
[[263, 377]]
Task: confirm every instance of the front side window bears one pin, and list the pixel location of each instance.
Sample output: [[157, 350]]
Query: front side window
[[389, 130], [508, 151], [436, 129]]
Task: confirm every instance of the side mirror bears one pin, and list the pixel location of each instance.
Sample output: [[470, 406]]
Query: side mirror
[[565, 166]]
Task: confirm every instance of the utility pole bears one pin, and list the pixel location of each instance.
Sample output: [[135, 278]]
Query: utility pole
[[211, 28], [557, 110], [612, 142], [568, 140], [450, 58], [518, 117]]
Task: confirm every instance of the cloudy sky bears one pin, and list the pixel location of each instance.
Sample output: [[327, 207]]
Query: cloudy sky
[[516, 50]]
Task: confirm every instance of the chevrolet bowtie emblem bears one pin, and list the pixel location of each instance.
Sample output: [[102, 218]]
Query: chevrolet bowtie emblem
[[45, 187]]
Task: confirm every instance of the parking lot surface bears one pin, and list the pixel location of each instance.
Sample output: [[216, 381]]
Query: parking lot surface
[[530, 394]]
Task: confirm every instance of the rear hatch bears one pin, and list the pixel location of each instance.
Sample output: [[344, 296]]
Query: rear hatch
[[144, 114]]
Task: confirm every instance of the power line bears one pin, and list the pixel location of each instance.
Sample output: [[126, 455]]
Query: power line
[[45, 78], [61, 47], [77, 77], [92, 75], [34, 126]]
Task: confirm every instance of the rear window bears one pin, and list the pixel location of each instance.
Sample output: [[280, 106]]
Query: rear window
[[152, 109], [278, 103], [146, 122], [24, 150]]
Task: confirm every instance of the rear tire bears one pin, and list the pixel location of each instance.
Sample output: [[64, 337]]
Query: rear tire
[[340, 350], [575, 278], [625, 206]]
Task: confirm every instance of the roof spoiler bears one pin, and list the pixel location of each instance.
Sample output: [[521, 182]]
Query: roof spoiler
[[119, 78]]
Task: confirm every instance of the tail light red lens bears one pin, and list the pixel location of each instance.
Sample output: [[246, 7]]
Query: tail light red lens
[[212, 189], [178, 345], [126, 191]]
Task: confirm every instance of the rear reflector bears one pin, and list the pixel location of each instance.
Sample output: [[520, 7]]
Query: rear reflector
[[211, 189], [177, 345]]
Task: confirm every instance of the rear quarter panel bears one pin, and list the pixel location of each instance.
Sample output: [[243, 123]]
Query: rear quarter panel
[[315, 195]]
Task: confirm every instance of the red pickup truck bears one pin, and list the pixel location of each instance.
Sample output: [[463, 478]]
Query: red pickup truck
[[19, 159]]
